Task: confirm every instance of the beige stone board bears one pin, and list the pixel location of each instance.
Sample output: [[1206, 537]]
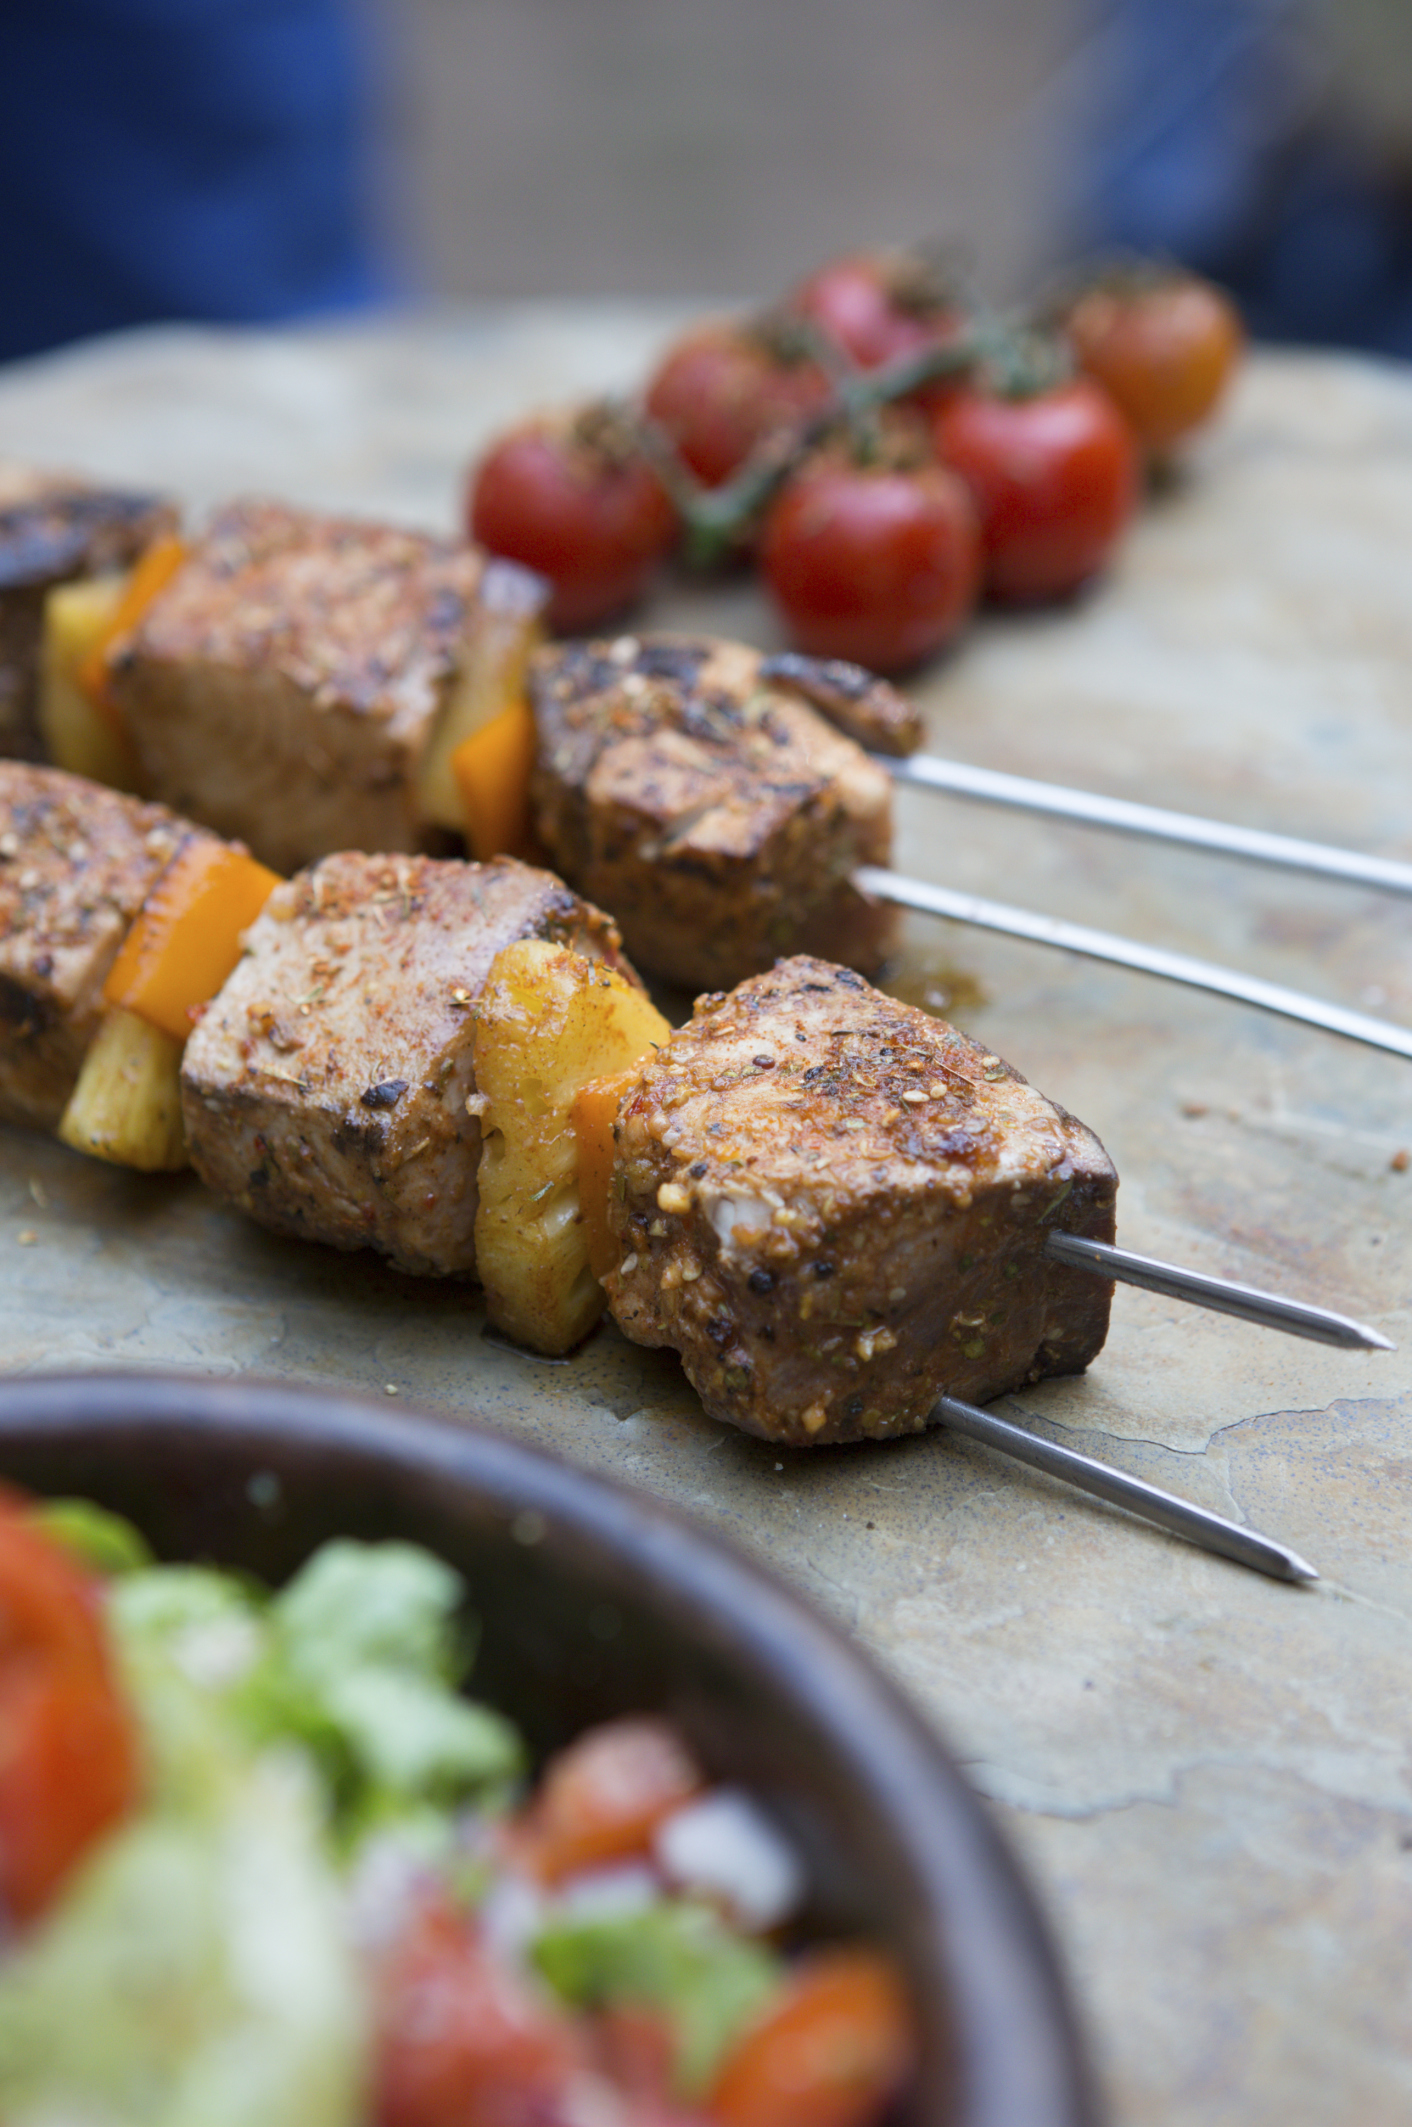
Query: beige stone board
[[1208, 1773]]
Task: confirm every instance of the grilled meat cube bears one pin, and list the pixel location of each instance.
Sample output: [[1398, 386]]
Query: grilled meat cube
[[871, 711], [836, 1207], [325, 1090], [53, 529], [76, 864], [716, 815], [285, 685]]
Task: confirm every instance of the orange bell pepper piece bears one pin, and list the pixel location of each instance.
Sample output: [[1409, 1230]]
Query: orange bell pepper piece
[[492, 770], [593, 1114], [152, 574], [186, 939]]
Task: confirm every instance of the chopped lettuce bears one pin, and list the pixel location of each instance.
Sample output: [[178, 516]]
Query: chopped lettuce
[[675, 1955], [103, 1542], [196, 1974], [198, 1971], [357, 1660], [366, 1639]]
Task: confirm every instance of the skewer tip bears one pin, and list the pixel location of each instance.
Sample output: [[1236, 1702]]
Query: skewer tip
[[1300, 1568]]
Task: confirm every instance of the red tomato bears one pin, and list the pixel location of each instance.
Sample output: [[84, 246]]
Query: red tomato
[[463, 2042], [68, 1758], [1054, 480], [574, 498], [832, 2051], [602, 1798], [879, 306], [875, 564], [1164, 350], [724, 390]]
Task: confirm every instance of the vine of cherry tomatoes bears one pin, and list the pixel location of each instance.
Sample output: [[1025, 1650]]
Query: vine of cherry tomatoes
[[885, 450]]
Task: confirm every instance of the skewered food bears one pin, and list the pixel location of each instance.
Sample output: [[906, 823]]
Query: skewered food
[[834, 1207], [547, 1023], [55, 529], [867, 709], [687, 786], [301, 681], [326, 1088], [76, 864]]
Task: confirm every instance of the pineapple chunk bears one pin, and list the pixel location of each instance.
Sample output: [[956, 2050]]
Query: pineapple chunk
[[492, 676], [76, 617], [126, 1106], [548, 1021]]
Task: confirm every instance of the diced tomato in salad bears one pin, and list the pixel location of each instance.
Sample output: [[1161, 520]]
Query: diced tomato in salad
[[529, 1961], [68, 1767]]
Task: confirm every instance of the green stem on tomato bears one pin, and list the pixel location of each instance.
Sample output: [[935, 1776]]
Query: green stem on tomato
[[714, 520]]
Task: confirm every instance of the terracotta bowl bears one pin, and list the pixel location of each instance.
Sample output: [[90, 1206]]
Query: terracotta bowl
[[594, 1601]]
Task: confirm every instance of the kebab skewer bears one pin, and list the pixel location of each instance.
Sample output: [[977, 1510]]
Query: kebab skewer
[[451, 1064], [886, 724], [308, 682], [692, 785]]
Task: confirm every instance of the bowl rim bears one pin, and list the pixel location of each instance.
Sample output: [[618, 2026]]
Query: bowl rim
[[1022, 2060]]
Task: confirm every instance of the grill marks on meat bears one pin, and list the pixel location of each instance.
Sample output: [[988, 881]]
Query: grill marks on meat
[[284, 686], [835, 1207], [857, 701], [717, 815], [76, 864], [52, 529], [325, 1090]]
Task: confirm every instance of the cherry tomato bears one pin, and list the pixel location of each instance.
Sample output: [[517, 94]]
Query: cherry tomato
[[725, 389], [831, 2052], [880, 306], [574, 497], [462, 2040], [68, 1757], [879, 564], [602, 1798], [1054, 481], [1164, 350]]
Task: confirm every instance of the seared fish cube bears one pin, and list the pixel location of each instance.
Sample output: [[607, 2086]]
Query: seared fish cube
[[76, 864], [715, 813], [287, 683], [326, 1089], [54, 529], [835, 1208]]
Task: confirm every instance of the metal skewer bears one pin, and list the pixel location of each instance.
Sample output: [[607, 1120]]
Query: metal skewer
[[990, 785], [1222, 1295], [1126, 952], [1211, 1531]]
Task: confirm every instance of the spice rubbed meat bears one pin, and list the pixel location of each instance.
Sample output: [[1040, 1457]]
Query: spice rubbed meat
[[716, 813], [834, 1207], [76, 862], [54, 529], [288, 684], [325, 1089]]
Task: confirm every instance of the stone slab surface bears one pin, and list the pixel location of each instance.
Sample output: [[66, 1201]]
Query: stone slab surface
[[1207, 1773]]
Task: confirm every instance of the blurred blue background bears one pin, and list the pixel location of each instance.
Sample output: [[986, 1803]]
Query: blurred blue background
[[252, 160]]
